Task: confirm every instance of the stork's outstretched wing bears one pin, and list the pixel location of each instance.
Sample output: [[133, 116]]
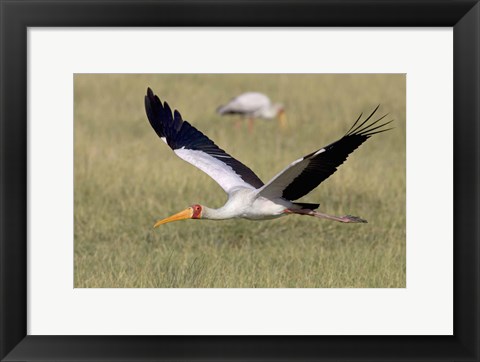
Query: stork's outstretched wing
[[306, 173], [196, 148]]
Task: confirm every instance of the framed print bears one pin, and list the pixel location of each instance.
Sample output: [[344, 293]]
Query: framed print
[[287, 256], [86, 277]]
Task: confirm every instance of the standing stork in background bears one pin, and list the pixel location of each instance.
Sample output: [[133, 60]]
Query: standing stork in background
[[253, 105], [248, 196]]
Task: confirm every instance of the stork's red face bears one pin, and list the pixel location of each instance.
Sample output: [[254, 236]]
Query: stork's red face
[[192, 212], [197, 211]]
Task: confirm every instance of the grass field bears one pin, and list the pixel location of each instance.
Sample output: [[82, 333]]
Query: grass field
[[126, 179]]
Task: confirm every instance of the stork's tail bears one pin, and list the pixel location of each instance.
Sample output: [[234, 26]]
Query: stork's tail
[[308, 206], [228, 109], [223, 110]]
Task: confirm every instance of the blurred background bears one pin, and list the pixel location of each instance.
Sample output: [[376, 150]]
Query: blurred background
[[126, 178]]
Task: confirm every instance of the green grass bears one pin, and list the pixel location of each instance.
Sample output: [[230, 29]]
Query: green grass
[[126, 179]]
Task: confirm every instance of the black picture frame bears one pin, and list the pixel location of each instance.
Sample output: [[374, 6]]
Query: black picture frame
[[17, 15]]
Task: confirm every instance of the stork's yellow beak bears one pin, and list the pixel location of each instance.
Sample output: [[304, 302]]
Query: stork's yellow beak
[[282, 120], [182, 215]]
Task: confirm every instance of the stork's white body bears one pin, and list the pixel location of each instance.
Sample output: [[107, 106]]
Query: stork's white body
[[251, 104], [245, 203]]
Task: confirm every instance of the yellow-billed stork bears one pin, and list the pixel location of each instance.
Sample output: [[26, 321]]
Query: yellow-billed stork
[[253, 105], [248, 196]]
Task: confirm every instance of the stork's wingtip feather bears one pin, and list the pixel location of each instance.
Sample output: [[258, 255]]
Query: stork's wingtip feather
[[177, 115], [148, 96], [151, 97]]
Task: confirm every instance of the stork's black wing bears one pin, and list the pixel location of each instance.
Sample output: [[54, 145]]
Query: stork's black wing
[[194, 147], [306, 173]]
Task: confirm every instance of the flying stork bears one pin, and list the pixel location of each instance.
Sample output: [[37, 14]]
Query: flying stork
[[248, 196], [254, 105]]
